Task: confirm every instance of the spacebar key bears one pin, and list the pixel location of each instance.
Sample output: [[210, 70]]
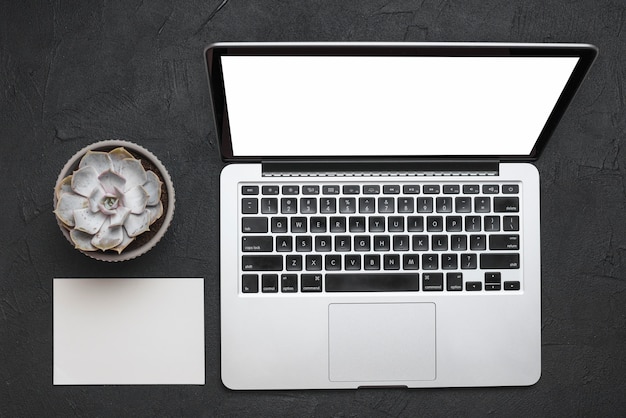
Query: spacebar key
[[371, 282], [262, 262]]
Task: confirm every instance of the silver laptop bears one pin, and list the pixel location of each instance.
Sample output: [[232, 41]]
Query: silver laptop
[[379, 220]]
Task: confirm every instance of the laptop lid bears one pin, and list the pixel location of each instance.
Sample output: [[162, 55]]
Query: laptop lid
[[341, 101]]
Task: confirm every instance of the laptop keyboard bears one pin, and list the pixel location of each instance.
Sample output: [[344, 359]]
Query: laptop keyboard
[[380, 237]]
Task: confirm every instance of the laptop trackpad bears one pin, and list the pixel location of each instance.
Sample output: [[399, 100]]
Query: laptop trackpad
[[376, 342]]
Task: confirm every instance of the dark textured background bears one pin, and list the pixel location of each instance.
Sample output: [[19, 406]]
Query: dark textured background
[[74, 72]]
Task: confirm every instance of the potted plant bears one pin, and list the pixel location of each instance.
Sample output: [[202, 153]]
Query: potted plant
[[114, 200]]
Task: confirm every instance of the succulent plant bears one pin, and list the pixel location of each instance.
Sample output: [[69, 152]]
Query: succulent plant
[[108, 201]]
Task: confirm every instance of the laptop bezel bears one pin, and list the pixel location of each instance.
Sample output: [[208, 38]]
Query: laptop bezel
[[585, 52]]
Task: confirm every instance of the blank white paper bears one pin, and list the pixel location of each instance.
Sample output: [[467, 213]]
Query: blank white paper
[[128, 331]]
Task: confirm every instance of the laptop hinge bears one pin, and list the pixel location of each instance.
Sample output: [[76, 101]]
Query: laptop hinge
[[385, 168]]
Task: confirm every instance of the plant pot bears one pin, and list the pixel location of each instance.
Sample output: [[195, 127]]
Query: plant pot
[[117, 204]]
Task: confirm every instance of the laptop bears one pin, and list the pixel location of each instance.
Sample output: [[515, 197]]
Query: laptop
[[379, 214]]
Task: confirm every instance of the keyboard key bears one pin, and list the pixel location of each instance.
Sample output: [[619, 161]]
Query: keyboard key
[[449, 261], [482, 204], [311, 283], [376, 224], [491, 277], [434, 223], [367, 205], [343, 243], [410, 189], [472, 223], [430, 261], [293, 262], [391, 262], [279, 224], [425, 205], [405, 205], [471, 189], [458, 242], [269, 283], [468, 261], [454, 224], [262, 262], [347, 205], [269, 205], [420, 242], [291, 190], [451, 189], [256, 244], [401, 243], [318, 224], [372, 282], [254, 225], [386, 204], [511, 286], [357, 224], [289, 283], [473, 286], [332, 262], [478, 242], [323, 243], [371, 262], [361, 243], [454, 282], [382, 243], [337, 224], [308, 205], [492, 223], [432, 282], [310, 190], [352, 262], [330, 189], [304, 243], [510, 223], [491, 189], [249, 206], [351, 189], [510, 189], [499, 261], [313, 262], [288, 205], [269, 190], [284, 243], [410, 261], [504, 242], [249, 190], [395, 224], [415, 223], [298, 224], [463, 204], [391, 189], [431, 189], [371, 189], [440, 242], [250, 283], [493, 286], [444, 205], [328, 205], [506, 204]]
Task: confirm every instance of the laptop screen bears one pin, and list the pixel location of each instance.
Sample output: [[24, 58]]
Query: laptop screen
[[391, 105]]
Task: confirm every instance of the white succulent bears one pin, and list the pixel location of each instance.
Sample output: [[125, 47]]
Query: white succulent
[[108, 201]]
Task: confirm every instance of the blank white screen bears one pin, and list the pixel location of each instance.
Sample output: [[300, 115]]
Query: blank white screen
[[370, 106]]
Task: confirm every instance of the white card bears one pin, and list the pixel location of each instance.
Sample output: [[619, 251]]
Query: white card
[[128, 331]]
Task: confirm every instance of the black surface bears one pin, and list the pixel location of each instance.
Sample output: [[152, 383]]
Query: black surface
[[75, 72]]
